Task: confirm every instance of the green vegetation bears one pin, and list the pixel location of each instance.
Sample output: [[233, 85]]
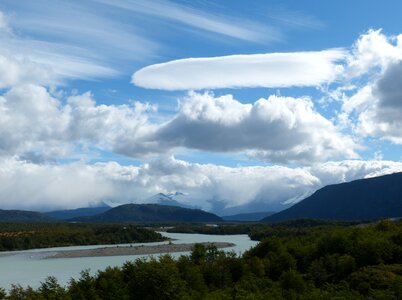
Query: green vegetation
[[321, 263], [257, 231], [18, 236]]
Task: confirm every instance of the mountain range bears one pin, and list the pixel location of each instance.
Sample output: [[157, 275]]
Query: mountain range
[[364, 199]]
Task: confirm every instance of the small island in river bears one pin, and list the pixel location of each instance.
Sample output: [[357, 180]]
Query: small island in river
[[133, 250]]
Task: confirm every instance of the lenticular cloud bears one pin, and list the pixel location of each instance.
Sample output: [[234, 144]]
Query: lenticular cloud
[[298, 69]]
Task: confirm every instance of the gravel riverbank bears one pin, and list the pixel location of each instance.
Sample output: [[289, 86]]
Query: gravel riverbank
[[133, 250]]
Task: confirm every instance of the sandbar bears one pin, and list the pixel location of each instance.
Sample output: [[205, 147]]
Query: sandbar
[[133, 250]]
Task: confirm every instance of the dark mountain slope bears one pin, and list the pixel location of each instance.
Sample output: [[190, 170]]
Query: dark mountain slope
[[23, 216], [365, 199], [248, 217], [78, 212], [151, 213]]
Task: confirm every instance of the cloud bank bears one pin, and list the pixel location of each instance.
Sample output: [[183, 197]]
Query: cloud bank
[[51, 186]]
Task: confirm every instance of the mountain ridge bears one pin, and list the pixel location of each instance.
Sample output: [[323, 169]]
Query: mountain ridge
[[16, 216], [362, 199], [67, 214], [151, 213]]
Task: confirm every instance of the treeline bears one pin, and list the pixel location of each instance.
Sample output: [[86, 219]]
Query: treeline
[[322, 263], [221, 229], [257, 231], [17, 236]]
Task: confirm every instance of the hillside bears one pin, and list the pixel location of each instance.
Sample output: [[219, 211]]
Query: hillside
[[248, 217], [78, 212], [365, 199], [151, 213], [23, 216]]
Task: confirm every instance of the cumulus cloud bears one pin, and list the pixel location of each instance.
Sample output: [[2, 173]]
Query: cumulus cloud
[[376, 106], [277, 129], [382, 118], [33, 121], [236, 71], [52, 186], [15, 70], [372, 51]]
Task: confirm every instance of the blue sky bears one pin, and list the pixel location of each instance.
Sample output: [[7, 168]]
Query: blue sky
[[141, 97]]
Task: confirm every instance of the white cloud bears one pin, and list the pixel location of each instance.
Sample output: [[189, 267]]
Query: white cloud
[[376, 106], [236, 71], [345, 171], [32, 121], [51, 186], [381, 117], [15, 71], [277, 129], [371, 51]]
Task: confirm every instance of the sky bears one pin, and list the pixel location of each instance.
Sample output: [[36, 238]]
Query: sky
[[238, 106]]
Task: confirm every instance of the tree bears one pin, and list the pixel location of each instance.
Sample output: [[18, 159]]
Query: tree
[[51, 290]]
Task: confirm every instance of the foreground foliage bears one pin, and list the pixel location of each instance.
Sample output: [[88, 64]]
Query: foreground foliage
[[314, 263], [17, 236]]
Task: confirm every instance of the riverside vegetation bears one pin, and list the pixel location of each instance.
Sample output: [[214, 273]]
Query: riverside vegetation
[[324, 262], [20, 236]]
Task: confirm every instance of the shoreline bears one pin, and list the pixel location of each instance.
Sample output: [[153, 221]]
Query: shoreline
[[133, 250]]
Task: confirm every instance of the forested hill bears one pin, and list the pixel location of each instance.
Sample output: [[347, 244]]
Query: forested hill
[[23, 216], [151, 213], [78, 212], [365, 199]]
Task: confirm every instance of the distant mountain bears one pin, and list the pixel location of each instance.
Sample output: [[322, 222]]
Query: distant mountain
[[78, 212], [151, 213], [248, 217], [23, 216], [365, 199], [168, 199]]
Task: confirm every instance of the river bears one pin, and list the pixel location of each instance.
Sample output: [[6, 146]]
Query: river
[[30, 267]]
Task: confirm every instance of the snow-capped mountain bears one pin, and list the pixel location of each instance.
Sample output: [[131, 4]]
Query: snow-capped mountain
[[175, 199]]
